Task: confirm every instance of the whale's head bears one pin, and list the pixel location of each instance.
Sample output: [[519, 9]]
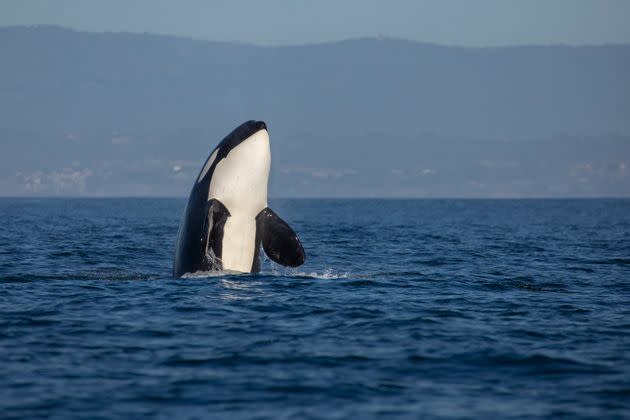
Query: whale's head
[[237, 170]]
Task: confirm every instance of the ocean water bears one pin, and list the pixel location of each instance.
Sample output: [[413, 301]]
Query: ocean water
[[404, 309]]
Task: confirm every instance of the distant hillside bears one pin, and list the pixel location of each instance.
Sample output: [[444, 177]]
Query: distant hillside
[[92, 113]]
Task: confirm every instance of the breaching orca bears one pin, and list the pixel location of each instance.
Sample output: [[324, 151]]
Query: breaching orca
[[227, 218]]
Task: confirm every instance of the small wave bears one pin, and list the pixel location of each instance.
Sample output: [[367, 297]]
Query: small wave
[[360, 282], [611, 261], [89, 275], [525, 283]]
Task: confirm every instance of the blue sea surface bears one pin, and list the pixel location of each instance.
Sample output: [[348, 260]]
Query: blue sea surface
[[404, 309]]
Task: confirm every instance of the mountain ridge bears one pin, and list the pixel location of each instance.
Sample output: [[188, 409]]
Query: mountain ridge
[[100, 113], [61, 28]]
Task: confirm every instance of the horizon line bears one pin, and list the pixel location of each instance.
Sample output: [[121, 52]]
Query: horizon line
[[183, 197], [375, 37]]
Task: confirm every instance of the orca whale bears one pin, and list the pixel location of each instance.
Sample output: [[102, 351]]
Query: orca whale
[[226, 218]]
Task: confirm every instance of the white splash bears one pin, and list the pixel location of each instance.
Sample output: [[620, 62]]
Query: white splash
[[327, 274]]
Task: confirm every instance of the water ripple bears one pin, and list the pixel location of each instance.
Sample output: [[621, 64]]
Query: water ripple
[[436, 308]]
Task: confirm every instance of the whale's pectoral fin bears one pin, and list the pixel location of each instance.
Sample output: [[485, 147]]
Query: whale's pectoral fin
[[279, 241]]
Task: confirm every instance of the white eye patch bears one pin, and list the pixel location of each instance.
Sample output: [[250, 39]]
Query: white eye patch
[[207, 166]]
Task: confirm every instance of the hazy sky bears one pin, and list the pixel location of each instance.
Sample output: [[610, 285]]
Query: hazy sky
[[455, 22]]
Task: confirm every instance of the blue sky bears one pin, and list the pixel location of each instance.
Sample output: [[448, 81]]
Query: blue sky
[[452, 22]]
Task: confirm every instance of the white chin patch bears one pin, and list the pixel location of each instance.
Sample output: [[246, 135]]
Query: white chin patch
[[240, 179]]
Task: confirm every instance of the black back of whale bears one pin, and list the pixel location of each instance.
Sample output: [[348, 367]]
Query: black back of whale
[[202, 224]]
